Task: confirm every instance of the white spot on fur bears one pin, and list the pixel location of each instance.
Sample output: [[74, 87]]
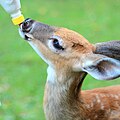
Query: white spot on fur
[[108, 111], [102, 106], [98, 99], [102, 95], [91, 105], [111, 95], [51, 75], [95, 116], [88, 106], [116, 97]]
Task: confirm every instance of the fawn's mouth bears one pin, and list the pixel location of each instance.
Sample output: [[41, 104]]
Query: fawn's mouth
[[25, 36]]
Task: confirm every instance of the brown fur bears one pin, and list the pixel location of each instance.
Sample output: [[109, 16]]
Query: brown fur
[[75, 40], [103, 103], [61, 102], [65, 102]]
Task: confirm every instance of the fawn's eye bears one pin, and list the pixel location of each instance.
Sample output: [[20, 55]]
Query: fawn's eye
[[57, 45]]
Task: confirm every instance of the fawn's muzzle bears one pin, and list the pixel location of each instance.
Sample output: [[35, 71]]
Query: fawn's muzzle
[[31, 29]]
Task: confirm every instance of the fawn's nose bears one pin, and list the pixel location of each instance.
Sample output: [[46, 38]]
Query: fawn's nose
[[27, 25]]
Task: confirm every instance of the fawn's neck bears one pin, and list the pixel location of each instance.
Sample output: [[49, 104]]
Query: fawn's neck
[[61, 98]]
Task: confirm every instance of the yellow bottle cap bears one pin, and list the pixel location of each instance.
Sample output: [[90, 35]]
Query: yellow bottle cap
[[18, 20]]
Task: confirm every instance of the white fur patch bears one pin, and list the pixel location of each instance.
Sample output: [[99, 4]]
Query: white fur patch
[[102, 106], [38, 52], [98, 99], [51, 75]]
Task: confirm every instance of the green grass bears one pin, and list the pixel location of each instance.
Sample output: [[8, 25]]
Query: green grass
[[23, 73]]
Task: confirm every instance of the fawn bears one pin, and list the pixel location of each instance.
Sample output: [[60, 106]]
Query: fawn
[[70, 57]]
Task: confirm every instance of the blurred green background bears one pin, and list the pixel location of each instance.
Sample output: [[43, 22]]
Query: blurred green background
[[23, 73]]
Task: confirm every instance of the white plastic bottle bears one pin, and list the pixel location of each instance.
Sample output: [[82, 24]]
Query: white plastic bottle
[[13, 8]]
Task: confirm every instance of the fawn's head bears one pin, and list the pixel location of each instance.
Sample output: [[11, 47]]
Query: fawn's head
[[62, 48]]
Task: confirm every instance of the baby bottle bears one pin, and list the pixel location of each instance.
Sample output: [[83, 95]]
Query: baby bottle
[[13, 8]]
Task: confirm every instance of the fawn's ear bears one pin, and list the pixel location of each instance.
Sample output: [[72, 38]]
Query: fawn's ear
[[99, 66], [110, 49]]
